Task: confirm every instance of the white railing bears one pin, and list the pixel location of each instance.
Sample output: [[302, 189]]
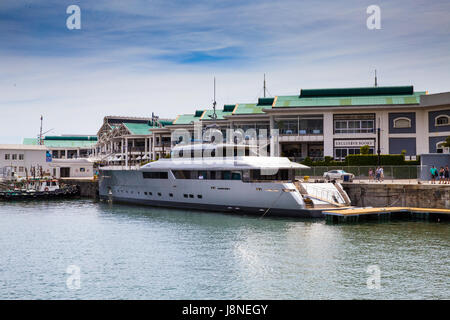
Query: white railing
[[324, 194]]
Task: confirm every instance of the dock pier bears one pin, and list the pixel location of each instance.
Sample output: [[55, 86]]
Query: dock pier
[[386, 214]]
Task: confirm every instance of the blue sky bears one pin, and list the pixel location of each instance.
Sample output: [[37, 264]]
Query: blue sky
[[138, 57]]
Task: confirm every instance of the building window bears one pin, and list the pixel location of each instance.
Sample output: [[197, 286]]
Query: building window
[[14, 157], [82, 169], [442, 120], [354, 126], [21, 156], [402, 123], [21, 169], [7, 156]]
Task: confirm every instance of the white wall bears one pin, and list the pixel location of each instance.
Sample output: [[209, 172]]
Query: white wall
[[31, 158]]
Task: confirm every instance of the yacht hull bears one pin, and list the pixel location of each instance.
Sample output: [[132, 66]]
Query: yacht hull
[[273, 212], [259, 198]]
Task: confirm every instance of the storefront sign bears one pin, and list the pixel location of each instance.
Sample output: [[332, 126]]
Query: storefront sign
[[354, 143]]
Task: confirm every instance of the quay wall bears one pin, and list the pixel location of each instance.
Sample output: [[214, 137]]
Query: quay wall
[[88, 187], [398, 195]]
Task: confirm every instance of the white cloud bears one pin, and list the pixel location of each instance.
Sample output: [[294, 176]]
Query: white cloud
[[116, 70]]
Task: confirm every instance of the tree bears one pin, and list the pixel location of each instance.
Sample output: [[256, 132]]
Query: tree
[[447, 142], [364, 149]]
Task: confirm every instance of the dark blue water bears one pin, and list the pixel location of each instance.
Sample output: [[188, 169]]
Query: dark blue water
[[131, 252]]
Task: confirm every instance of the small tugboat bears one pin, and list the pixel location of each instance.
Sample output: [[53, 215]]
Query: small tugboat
[[38, 188]]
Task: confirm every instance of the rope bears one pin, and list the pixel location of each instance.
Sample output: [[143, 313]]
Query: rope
[[281, 192]]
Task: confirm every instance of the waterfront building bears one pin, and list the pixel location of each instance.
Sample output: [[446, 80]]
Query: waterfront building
[[130, 140], [66, 146], [337, 122], [21, 161], [314, 123], [17, 159]]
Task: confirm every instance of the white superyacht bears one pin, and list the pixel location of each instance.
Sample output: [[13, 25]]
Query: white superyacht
[[244, 183]]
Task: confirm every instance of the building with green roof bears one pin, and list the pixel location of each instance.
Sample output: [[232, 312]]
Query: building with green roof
[[313, 123], [66, 146]]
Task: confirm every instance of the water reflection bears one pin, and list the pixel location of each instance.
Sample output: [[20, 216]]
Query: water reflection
[[132, 252]]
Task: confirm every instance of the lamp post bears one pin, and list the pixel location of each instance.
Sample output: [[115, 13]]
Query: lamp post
[[378, 147]]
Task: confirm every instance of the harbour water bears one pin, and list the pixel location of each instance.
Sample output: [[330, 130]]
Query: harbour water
[[132, 252]]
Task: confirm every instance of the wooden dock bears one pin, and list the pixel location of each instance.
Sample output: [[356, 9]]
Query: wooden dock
[[387, 213]]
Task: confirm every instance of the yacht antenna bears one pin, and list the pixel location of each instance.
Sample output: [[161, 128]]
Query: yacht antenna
[[264, 85], [376, 84], [214, 115], [40, 132]]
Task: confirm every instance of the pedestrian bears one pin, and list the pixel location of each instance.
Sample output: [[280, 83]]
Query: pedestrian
[[441, 175], [433, 172], [446, 175], [381, 173], [370, 174], [377, 174]]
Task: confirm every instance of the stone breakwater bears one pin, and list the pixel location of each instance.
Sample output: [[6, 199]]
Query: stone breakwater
[[398, 195]]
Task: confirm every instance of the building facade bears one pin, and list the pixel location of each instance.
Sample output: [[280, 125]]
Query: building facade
[[315, 123]]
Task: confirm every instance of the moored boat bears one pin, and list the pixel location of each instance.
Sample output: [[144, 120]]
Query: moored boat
[[240, 182]]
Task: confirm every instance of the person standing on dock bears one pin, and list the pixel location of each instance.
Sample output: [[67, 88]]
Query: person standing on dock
[[370, 174], [377, 174], [381, 174], [441, 175], [446, 175], [434, 174]]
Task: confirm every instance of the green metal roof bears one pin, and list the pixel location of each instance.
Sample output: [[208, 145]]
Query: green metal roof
[[219, 113], [165, 122], [186, 119], [254, 108], [362, 91], [198, 113], [358, 100], [30, 141], [139, 128], [229, 107], [71, 138], [265, 101], [61, 143]]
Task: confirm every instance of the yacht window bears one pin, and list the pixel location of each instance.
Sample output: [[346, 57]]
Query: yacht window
[[235, 176], [171, 194], [159, 194], [155, 175], [191, 196], [202, 175], [199, 196], [185, 195], [182, 174], [226, 175]]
